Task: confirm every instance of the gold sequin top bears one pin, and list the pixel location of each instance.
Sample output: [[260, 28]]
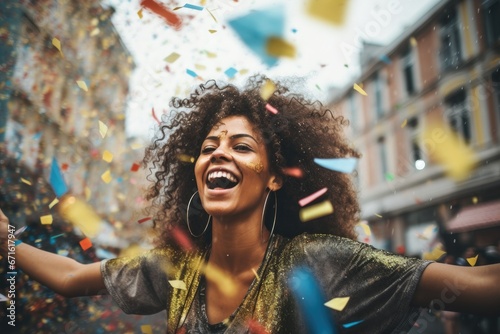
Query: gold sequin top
[[380, 286]]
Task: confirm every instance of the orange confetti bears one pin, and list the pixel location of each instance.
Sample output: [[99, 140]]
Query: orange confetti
[[293, 171], [142, 220], [64, 166], [85, 243], [135, 167], [171, 18]]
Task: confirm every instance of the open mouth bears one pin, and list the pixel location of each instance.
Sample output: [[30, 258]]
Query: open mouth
[[221, 179]]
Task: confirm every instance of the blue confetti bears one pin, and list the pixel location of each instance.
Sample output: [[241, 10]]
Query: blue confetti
[[190, 6], [257, 27], [294, 30], [191, 73], [308, 295], [351, 324], [56, 179], [230, 72], [385, 59], [343, 165]]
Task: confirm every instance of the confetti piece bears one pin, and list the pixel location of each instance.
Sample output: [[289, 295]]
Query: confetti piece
[[171, 18], [308, 295], [316, 211], [146, 329], [185, 158], [330, 11], [413, 41], [46, 220], [212, 15], [80, 214], [171, 58], [343, 165], [359, 89], [223, 282], [182, 239], [190, 6], [103, 129], [256, 27], [82, 85], [278, 47], [56, 179], [472, 260], [56, 236], [271, 109], [142, 220], [231, 72], [64, 166], [212, 31], [135, 167], [404, 123], [448, 149], [154, 116], [352, 324], [26, 181], [366, 228], [255, 273], [85, 244], [267, 89], [3, 298], [20, 230], [57, 44], [254, 327], [434, 255], [106, 176], [338, 304], [139, 13], [294, 172], [178, 284], [54, 202], [385, 59], [191, 73], [107, 156], [389, 177], [312, 197], [376, 214]]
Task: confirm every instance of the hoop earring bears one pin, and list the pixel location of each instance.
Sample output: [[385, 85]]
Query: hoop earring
[[263, 214], [187, 218]]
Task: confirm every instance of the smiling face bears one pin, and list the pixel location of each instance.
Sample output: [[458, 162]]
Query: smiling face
[[232, 171]]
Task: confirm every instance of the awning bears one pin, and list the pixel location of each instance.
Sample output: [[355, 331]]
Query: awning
[[476, 217]]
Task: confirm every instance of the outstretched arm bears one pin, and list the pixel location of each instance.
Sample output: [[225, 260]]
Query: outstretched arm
[[463, 289], [61, 274]]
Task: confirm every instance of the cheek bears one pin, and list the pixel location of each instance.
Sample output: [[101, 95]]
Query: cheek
[[257, 167]]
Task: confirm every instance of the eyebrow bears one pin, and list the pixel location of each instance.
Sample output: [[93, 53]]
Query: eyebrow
[[236, 136]]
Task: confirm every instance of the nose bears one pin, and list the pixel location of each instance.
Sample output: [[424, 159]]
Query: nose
[[220, 154]]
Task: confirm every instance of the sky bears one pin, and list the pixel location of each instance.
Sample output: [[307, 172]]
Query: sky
[[326, 54]]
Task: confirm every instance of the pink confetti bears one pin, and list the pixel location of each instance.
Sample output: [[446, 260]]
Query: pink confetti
[[271, 109], [154, 116], [312, 197], [293, 171]]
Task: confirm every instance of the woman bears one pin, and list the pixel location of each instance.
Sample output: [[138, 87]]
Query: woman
[[255, 267]]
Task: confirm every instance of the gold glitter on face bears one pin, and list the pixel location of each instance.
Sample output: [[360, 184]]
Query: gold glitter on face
[[222, 134], [257, 167]]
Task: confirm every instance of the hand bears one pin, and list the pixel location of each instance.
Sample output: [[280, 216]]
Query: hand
[[4, 233]]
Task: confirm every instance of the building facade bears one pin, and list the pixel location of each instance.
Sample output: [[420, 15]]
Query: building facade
[[445, 70]]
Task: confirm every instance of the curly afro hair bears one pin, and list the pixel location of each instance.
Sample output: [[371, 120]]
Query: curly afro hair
[[301, 131]]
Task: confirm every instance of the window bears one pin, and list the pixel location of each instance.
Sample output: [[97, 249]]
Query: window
[[450, 40], [353, 111], [495, 82], [382, 151], [408, 64], [377, 87], [458, 115], [491, 10], [416, 156]]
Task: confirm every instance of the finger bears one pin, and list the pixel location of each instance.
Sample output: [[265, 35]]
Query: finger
[[2, 216]]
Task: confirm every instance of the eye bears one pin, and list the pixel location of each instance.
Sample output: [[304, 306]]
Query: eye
[[243, 148], [207, 149]]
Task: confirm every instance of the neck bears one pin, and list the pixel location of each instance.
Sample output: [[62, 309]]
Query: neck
[[238, 245]]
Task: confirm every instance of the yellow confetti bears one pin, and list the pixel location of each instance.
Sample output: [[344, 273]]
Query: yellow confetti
[[255, 273], [172, 57], [267, 90], [448, 149], [185, 158], [404, 123], [316, 211], [80, 214], [359, 89], [54, 202], [106, 176], [26, 181], [95, 32], [57, 44], [434, 255], [139, 13], [82, 85], [222, 281], [472, 260], [107, 156], [338, 304], [46, 220], [178, 284], [413, 41], [331, 11], [211, 54], [366, 228], [212, 15], [376, 214], [212, 31], [103, 129], [278, 47], [88, 193]]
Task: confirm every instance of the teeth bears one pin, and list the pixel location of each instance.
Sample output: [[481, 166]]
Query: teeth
[[220, 174]]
